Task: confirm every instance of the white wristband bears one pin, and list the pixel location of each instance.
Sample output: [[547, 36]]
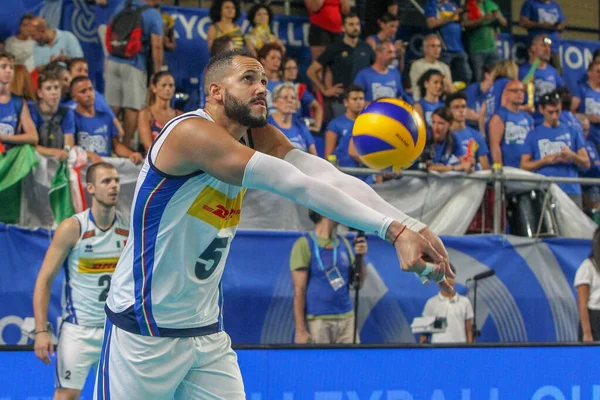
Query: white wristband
[[414, 224]]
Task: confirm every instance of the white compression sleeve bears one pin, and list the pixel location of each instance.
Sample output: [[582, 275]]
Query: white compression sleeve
[[324, 171], [274, 175]]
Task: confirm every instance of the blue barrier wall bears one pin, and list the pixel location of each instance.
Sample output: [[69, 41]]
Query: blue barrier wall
[[536, 373], [529, 299]]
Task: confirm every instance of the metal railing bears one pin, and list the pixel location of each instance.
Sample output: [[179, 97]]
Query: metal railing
[[497, 177]]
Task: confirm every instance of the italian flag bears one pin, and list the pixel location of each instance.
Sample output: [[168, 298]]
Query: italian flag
[[15, 165], [59, 194]]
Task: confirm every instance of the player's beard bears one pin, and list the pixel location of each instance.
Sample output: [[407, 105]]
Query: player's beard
[[241, 113]]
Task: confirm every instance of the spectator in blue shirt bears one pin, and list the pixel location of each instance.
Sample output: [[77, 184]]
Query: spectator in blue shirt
[[552, 149], [545, 78], [127, 78], [61, 71], [591, 194], [544, 17], [48, 115], [16, 126], [465, 136], [588, 101], [502, 73], [584, 76], [567, 117], [308, 104], [286, 103], [446, 154], [444, 15], [509, 127], [432, 84], [338, 136], [96, 132], [379, 80], [79, 67], [476, 94]]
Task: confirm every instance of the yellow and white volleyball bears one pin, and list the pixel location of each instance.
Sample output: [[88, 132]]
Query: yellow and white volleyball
[[389, 133]]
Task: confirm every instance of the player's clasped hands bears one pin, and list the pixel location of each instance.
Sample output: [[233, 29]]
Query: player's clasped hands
[[43, 346], [418, 251]]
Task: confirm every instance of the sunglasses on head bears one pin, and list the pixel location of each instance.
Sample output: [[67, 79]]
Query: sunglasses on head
[[550, 98]]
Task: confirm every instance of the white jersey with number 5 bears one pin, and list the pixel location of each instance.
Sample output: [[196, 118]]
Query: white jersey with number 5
[[89, 267], [168, 280]]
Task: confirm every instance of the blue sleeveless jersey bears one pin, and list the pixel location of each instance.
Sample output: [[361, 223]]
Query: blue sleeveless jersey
[[9, 117]]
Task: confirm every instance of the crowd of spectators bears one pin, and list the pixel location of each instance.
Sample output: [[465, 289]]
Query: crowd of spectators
[[480, 110]]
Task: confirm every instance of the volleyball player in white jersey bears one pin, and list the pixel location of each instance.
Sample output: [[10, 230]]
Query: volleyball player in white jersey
[[88, 246], [164, 334]]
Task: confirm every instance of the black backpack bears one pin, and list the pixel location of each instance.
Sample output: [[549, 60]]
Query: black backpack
[[50, 131], [125, 31]]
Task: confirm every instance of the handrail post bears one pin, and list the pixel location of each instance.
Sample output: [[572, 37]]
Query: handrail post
[[498, 211]]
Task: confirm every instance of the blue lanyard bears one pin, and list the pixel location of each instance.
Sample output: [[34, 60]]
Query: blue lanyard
[[318, 252]]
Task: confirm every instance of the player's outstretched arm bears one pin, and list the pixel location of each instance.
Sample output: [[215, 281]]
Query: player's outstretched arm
[[414, 250], [273, 142], [359, 190], [65, 238], [197, 144]]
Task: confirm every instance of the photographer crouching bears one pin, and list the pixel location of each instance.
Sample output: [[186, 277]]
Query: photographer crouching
[[322, 265]]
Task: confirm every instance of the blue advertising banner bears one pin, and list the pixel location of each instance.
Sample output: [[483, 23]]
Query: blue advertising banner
[[530, 299], [191, 25], [568, 373], [78, 16]]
